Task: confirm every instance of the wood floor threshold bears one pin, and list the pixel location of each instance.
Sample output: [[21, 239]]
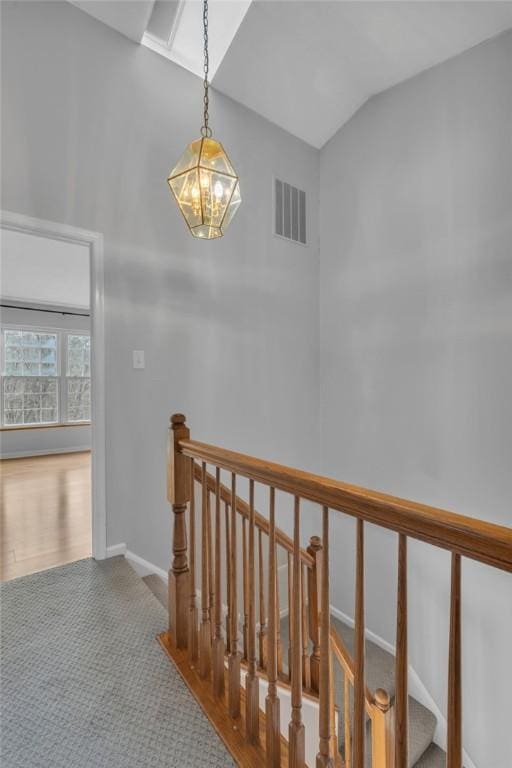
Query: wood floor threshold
[[232, 732]]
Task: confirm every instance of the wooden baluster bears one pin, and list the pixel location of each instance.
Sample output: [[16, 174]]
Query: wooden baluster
[[211, 564], [205, 638], [272, 708], [192, 617], [326, 687], [178, 494], [296, 733], [401, 696], [314, 591], [290, 614], [306, 670], [278, 628], [263, 616], [218, 643], [228, 577], [252, 683], [454, 743], [359, 640], [346, 712], [234, 656], [245, 580]]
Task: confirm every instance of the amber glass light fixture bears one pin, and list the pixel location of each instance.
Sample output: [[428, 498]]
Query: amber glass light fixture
[[204, 182]]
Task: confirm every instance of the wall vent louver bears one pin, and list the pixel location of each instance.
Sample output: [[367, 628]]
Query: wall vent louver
[[289, 212]]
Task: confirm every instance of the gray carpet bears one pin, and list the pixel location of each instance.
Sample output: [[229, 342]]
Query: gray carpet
[[84, 682]]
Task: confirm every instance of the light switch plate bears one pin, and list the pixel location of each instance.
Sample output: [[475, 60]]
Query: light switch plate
[[138, 358]]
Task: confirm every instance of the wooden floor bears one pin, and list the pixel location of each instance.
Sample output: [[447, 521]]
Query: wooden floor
[[45, 515]]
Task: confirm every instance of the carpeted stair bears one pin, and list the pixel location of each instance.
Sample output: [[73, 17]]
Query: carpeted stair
[[433, 757], [380, 670]]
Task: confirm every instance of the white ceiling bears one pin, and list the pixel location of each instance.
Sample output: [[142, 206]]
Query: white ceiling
[[130, 17], [307, 65]]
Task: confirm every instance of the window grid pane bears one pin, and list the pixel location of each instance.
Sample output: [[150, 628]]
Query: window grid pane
[[30, 353], [78, 355], [79, 399], [30, 400]]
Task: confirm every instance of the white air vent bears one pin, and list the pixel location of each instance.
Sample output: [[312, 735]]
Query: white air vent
[[289, 212]]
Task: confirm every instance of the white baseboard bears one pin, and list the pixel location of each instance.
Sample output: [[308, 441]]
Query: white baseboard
[[144, 567], [115, 550], [46, 452], [141, 566], [416, 687]]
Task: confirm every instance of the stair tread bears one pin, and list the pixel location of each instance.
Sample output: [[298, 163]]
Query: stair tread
[[422, 725], [433, 757]]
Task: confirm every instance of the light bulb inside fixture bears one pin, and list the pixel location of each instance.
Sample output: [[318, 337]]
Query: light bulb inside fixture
[[218, 190], [195, 192]]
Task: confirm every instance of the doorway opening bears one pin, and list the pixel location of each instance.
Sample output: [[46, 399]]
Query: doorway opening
[[52, 413]]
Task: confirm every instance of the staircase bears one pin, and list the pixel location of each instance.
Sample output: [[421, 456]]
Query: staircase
[[423, 753], [283, 681]]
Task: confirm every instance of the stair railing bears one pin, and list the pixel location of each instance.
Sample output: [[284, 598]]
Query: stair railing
[[313, 643]]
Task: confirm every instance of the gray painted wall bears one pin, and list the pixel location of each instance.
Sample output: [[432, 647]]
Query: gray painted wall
[[25, 442], [416, 355], [92, 124]]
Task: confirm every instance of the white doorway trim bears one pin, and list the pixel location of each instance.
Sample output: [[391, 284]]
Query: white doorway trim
[[94, 241]]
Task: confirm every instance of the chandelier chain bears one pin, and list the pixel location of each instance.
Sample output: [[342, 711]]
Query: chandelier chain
[[206, 131]]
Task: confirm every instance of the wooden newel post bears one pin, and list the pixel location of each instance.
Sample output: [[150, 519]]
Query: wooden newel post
[[383, 716], [178, 494]]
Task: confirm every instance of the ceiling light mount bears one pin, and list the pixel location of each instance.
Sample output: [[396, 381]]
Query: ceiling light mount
[[204, 183]]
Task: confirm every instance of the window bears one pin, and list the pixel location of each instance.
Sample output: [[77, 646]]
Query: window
[[30, 385], [45, 377]]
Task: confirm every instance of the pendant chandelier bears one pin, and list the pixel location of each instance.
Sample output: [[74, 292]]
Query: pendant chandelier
[[204, 183]]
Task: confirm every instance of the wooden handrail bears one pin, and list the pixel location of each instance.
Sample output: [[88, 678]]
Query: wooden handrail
[[476, 539], [260, 522]]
